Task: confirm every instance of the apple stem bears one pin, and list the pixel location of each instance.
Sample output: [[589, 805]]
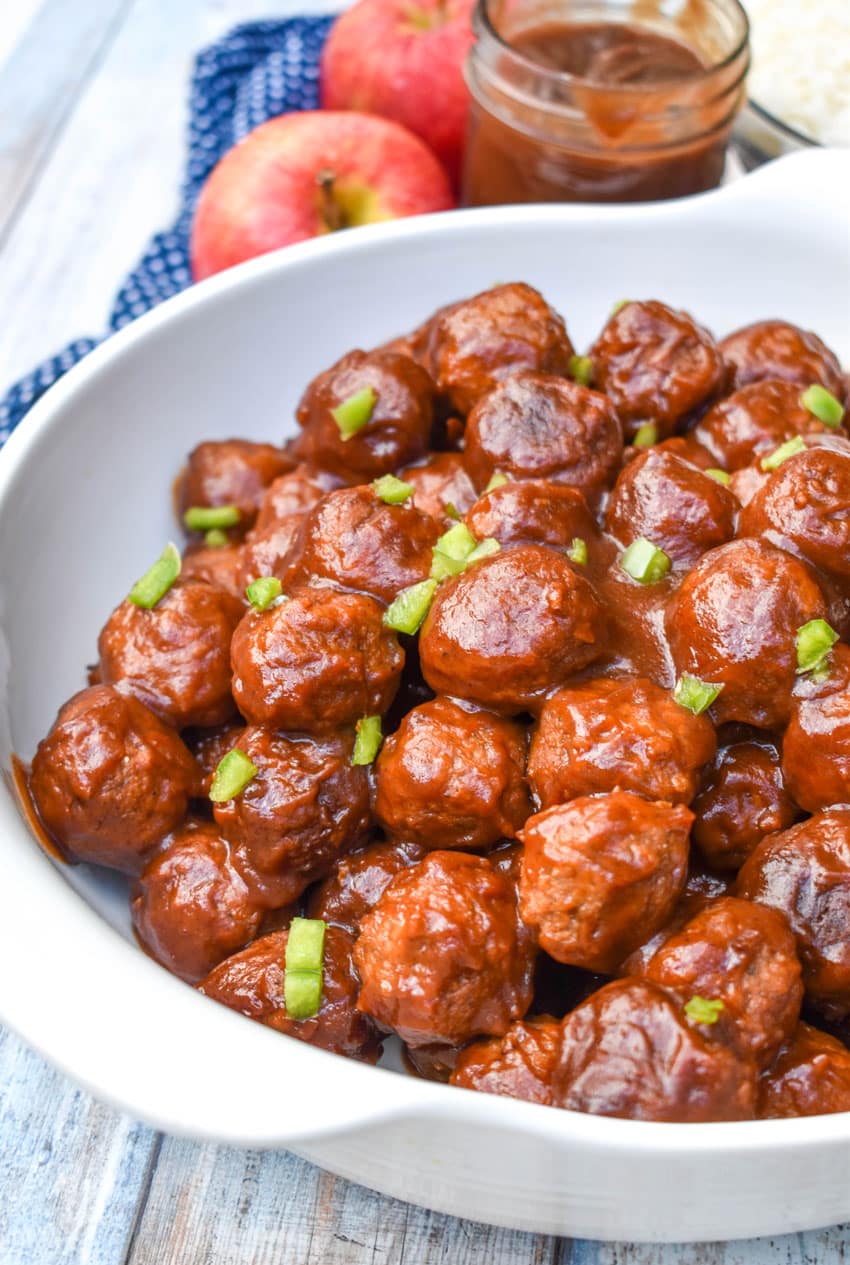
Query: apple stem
[[331, 211]]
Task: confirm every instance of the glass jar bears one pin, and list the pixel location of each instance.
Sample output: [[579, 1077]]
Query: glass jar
[[636, 132]]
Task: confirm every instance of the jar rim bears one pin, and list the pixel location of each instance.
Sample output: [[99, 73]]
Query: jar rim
[[483, 22]]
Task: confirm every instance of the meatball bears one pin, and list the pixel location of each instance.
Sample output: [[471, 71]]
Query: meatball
[[518, 1065], [626, 734], [753, 422], [816, 746], [742, 798], [804, 872], [319, 661], [533, 512], [230, 472], [450, 777], [439, 484], [443, 955], [267, 551], [778, 350], [538, 426], [734, 622], [175, 657], [803, 507], [656, 365], [252, 983], [679, 508], [191, 907], [217, 565], [293, 494], [512, 627], [629, 1051], [110, 780], [601, 874], [306, 805], [354, 540], [471, 346], [399, 424], [359, 881], [743, 955], [811, 1077]]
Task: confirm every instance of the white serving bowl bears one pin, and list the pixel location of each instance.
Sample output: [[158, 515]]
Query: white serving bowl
[[84, 507]]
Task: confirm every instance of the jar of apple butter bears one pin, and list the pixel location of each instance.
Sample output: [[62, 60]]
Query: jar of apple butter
[[602, 100]]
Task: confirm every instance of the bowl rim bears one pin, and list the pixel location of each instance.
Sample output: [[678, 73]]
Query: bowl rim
[[353, 1095], [792, 133]]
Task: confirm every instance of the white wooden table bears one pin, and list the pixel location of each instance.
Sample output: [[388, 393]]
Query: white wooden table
[[91, 130]]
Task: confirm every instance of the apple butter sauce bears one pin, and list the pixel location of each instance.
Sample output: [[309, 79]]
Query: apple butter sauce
[[613, 110]]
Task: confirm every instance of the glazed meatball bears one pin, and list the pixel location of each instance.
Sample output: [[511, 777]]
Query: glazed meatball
[[192, 907], [656, 365], [452, 777], [267, 551], [538, 426], [743, 955], [439, 484], [811, 1077], [804, 872], [217, 565], [293, 494], [359, 881], [635, 641], [626, 734], [512, 627], [399, 425], [443, 955], [533, 512], [230, 472], [683, 446], [175, 657], [601, 874], [776, 349], [753, 422], [354, 540], [518, 1065], [734, 622], [471, 346], [306, 805], [252, 983], [742, 798], [816, 746], [319, 661], [629, 1051], [110, 780], [679, 508], [803, 507]]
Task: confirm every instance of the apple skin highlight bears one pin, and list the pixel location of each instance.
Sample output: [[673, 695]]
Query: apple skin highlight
[[309, 173]]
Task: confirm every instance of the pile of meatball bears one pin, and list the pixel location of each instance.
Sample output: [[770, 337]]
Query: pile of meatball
[[557, 880]]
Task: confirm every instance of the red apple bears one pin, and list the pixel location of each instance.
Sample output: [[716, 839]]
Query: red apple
[[309, 173], [404, 59]]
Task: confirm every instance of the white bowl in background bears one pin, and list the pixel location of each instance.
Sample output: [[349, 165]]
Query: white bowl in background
[[85, 506]]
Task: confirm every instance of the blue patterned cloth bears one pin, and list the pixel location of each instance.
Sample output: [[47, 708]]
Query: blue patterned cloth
[[257, 71]]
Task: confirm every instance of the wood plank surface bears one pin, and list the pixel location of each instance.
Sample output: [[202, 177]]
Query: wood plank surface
[[50, 61], [71, 1169], [92, 118]]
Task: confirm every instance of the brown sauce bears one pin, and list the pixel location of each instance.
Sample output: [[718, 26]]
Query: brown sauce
[[610, 53], [20, 781]]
